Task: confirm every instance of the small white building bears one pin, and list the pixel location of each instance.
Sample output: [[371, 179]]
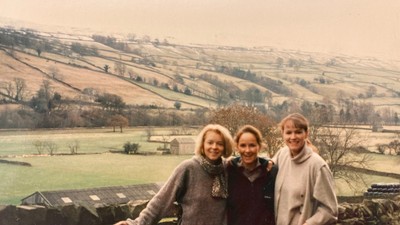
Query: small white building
[[182, 146]]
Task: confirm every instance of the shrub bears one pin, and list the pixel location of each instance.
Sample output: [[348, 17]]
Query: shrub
[[131, 148]]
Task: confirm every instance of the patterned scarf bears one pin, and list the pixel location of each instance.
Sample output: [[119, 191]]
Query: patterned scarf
[[219, 188]]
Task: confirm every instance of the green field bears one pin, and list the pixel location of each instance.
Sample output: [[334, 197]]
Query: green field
[[109, 169], [99, 140], [81, 171]]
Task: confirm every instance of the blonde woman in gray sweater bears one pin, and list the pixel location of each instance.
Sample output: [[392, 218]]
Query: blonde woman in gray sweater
[[304, 187], [198, 184]]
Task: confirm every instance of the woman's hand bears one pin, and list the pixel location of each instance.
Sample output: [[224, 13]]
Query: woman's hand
[[269, 166], [122, 223]]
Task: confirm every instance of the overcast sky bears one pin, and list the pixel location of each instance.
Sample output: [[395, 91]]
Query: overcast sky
[[355, 27]]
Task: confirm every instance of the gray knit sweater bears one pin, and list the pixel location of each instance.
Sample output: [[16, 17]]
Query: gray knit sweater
[[190, 185]]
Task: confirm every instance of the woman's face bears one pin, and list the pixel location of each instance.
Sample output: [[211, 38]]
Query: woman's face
[[295, 138], [248, 149], [213, 145]]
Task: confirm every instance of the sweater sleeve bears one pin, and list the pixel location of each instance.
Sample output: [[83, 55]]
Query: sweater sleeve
[[163, 201], [324, 194], [276, 156]]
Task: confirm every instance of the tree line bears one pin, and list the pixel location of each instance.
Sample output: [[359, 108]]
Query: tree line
[[49, 109]]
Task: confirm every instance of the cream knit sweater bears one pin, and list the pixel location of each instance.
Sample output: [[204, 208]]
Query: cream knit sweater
[[304, 189]]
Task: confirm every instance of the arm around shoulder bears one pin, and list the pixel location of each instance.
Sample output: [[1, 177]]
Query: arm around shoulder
[[163, 201]]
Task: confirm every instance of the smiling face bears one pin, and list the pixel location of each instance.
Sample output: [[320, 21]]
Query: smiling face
[[295, 138], [213, 145], [248, 149]]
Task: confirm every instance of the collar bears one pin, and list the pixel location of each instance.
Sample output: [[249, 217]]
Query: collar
[[304, 154], [237, 162]]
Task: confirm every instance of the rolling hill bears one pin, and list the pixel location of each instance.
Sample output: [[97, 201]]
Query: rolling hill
[[146, 72]]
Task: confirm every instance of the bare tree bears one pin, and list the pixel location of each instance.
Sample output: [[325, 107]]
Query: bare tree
[[51, 147], [149, 132], [39, 145], [393, 148], [15, 90], [20, 89], [394, 145], [74, 147], [119, 68], [118, 120], [165, 141], [221, 95], [235, 116], [8, 89], [341, 147]]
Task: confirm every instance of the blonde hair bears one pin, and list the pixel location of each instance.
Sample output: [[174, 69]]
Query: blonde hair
[[313, 147], [298, 120], [226, 136]]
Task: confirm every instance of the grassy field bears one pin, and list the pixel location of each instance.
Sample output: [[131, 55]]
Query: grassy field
[[111, 169], [21, 142], [81, 171]]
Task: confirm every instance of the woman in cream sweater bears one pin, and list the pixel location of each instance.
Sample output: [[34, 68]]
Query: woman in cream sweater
[[304, 188]]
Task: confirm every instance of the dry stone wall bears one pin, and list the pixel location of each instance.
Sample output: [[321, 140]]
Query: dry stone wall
[[369, 212]]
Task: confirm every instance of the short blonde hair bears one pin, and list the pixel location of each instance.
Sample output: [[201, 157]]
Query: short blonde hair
[[298, 120], [226, 136]]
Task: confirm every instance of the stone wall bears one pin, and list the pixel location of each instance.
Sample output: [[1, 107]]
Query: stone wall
[[73, 214], [370, 212]]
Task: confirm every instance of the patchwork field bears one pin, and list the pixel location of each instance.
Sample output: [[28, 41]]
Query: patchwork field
[[166, 70]]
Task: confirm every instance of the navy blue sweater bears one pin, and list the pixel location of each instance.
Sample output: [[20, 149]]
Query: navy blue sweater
[[251, 203]]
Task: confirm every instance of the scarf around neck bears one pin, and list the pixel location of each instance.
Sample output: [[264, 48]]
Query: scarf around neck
[[219, 188]]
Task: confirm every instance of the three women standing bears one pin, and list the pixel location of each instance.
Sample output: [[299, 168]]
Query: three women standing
[[303, 193]]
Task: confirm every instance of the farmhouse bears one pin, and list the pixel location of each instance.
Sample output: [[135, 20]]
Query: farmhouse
[[92, 196], [182, 146]]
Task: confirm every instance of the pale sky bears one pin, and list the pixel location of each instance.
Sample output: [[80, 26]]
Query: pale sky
[[353, 27]]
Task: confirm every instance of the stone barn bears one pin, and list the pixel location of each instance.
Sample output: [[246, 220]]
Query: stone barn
[[182, 146]]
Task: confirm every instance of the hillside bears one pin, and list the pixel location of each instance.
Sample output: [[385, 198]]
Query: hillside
[[158, 73]]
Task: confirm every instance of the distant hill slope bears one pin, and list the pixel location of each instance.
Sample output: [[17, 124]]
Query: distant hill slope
[[198, 76]]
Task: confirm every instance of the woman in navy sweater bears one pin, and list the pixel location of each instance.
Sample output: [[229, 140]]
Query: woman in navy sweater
[[250, 184]]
